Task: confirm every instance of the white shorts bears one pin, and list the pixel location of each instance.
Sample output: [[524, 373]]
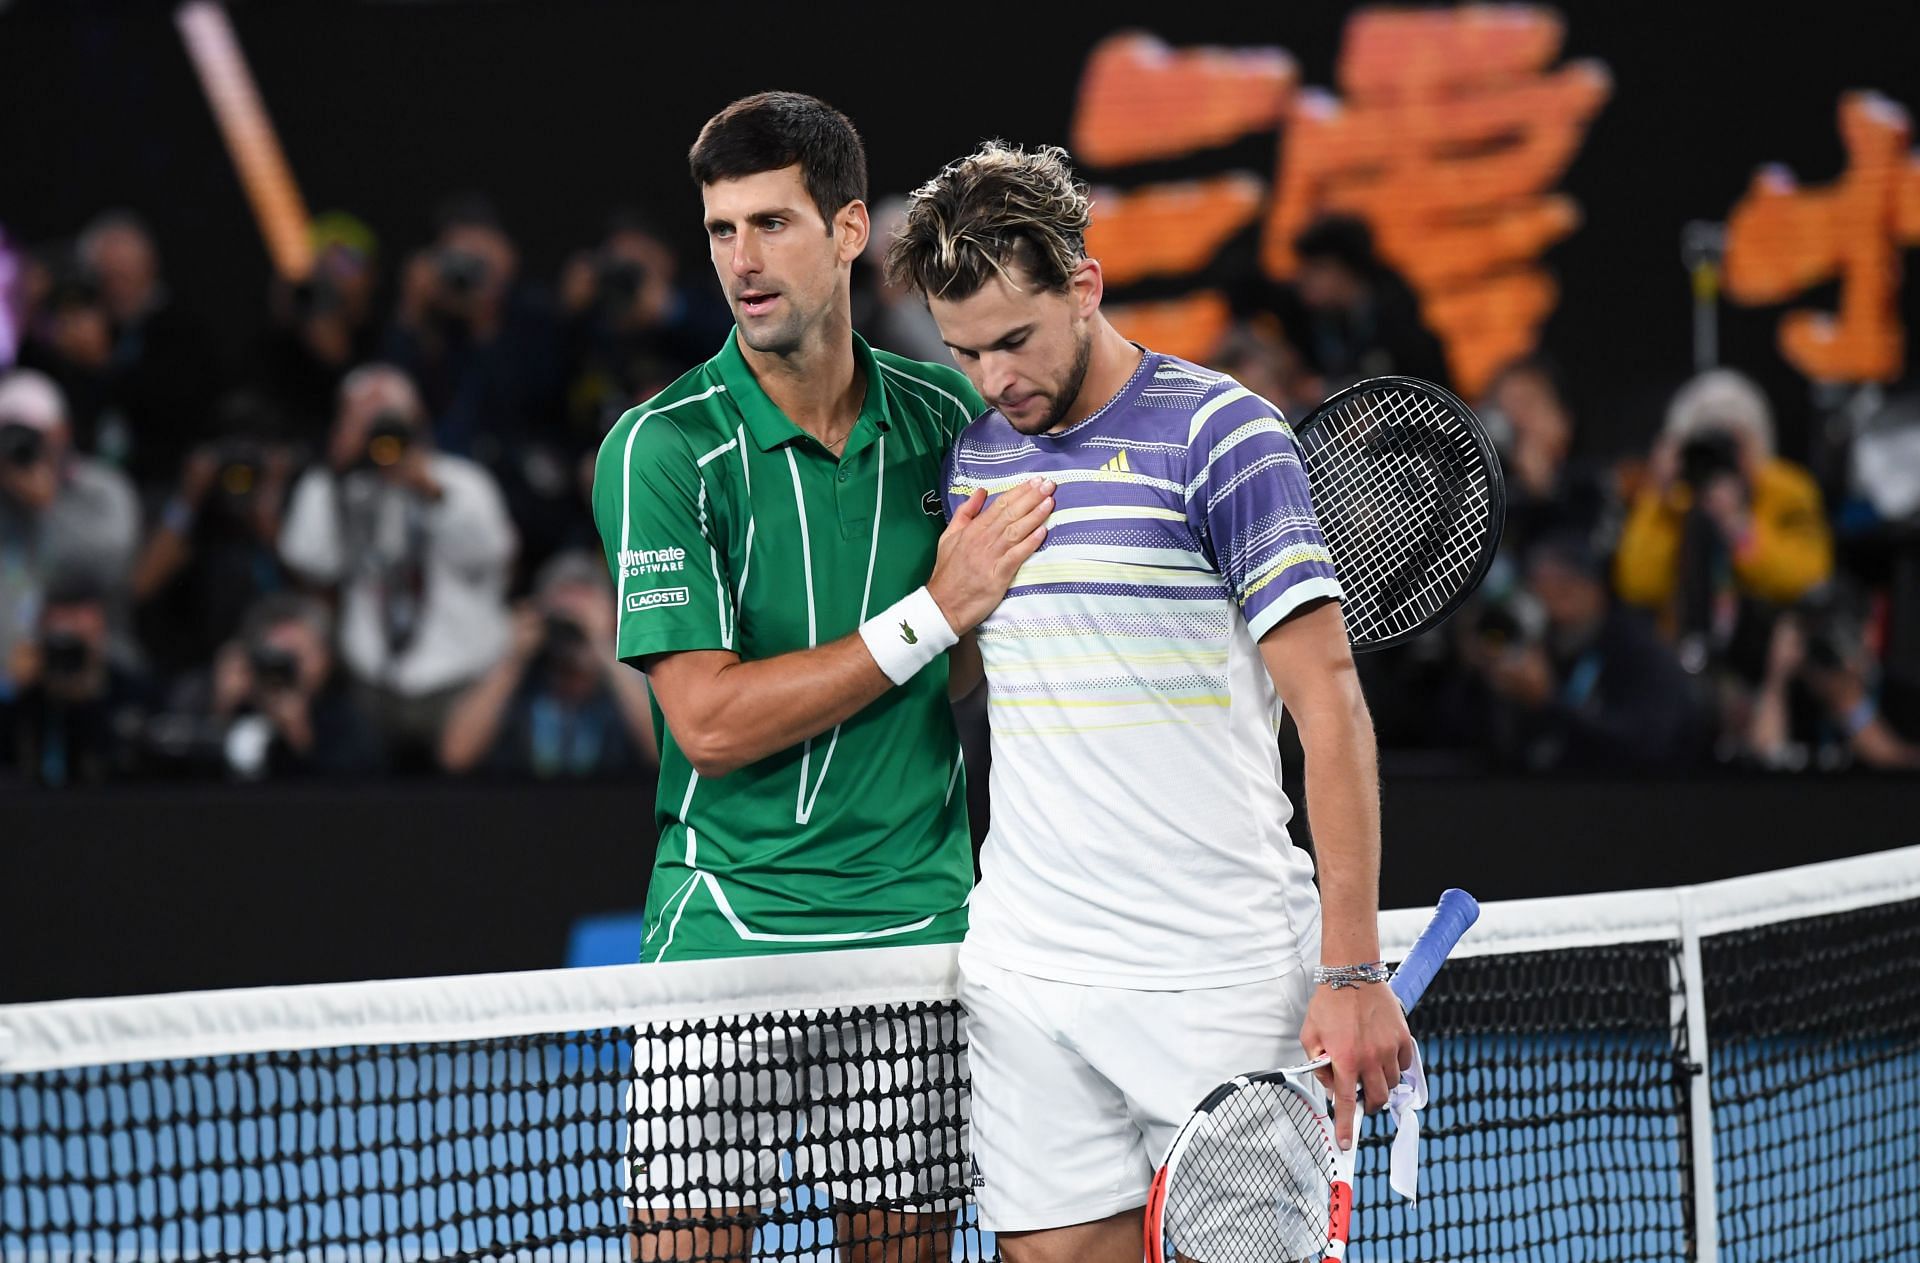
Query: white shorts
[[1078, 1091], [742, 1114]]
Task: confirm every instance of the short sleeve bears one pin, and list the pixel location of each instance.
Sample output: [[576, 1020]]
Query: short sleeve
[[1249, 501], [656, 523]]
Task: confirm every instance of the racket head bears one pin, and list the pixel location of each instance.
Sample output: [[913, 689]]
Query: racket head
[[1255, 1174], [1411, 500]]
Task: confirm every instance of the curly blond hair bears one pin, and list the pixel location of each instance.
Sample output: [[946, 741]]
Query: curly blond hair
[[998, 208]]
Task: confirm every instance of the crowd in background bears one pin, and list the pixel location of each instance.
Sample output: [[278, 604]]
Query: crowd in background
[[366, 545]]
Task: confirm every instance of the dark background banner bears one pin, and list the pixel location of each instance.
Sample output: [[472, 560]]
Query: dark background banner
[[170, 889], [563, 110]]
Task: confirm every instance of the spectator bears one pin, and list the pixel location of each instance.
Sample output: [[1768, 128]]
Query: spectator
[[1816, 704], [1362, 319], [1596, 688], [1265, 346], [420, 545], [1547, 491], [284, 710], [560, 704], [1721, 523], [631, 328], [1258, 354], [75, 718], [321, 327], [61, 514], [889, 317], [483, 350], [213, 549], [140, 373]]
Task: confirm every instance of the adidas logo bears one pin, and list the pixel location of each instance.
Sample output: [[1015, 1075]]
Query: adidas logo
[[1118, 465]]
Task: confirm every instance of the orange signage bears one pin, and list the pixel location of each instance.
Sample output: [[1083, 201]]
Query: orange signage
[[1451, 130], [1782, 239]]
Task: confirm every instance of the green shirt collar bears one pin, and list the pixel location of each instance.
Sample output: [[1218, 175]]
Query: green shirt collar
[[769, 426]]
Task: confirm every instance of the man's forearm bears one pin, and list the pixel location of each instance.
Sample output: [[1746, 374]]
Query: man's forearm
[[726, 713], [1343, 802], [474, 722]]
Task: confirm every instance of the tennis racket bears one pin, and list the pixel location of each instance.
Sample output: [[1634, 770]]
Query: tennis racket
[[1255, 1176], [1411, 501]]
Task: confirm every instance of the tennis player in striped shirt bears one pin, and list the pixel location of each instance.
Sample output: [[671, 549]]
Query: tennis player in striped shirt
[[1144, 927]]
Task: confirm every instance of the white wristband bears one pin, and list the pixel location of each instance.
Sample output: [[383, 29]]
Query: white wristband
[[907, 635]]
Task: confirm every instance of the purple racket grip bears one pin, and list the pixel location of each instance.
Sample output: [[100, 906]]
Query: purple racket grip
[[1456, 913]]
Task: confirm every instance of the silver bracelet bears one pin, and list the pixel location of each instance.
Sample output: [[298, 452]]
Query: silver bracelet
[[1338, 976]]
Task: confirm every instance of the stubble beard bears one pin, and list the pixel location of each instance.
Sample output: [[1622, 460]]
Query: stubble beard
[[1068, 395]]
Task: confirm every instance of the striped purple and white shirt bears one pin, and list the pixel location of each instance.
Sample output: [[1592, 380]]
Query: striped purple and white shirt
[[1139, 831]]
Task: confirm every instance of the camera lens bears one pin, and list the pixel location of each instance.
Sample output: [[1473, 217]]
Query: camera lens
[[460, 273], [65, 653], [620, 281], [273, 667], [20, 445], [388, 439], [1708, 455]]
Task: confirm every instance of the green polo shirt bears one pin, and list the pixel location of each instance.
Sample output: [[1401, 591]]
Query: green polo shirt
[[729, 527]]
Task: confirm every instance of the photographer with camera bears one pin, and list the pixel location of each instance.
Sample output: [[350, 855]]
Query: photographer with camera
[[420, 546], [1570, 679], [60, 514], [1722, 522], [1548, 488], [1361, 317], [560, 704], [322, 325], [277, 705], [213, 549], [74, 716], [483, 349], [1817, 704], [139, 372], [631, 328]]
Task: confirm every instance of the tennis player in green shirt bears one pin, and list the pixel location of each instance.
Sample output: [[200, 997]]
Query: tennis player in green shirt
[[773, 522]]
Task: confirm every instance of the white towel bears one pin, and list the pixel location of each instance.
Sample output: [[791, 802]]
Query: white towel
[[1406, 1100]]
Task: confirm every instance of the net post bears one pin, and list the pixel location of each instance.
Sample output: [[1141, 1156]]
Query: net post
[[1691, 999]]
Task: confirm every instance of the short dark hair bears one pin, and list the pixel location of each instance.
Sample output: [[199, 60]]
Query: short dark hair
[[1342, 239], [276, 608], [468, 208], [73, 587], [771, 130], [1533, 364], [1571, 550]]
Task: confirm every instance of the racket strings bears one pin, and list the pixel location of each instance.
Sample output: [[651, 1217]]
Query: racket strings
[[1400, 466], [1403, 552], [1405, 498], [1254, 1182]]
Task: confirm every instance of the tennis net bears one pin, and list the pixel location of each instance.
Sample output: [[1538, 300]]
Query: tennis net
[[1719, 1072]]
